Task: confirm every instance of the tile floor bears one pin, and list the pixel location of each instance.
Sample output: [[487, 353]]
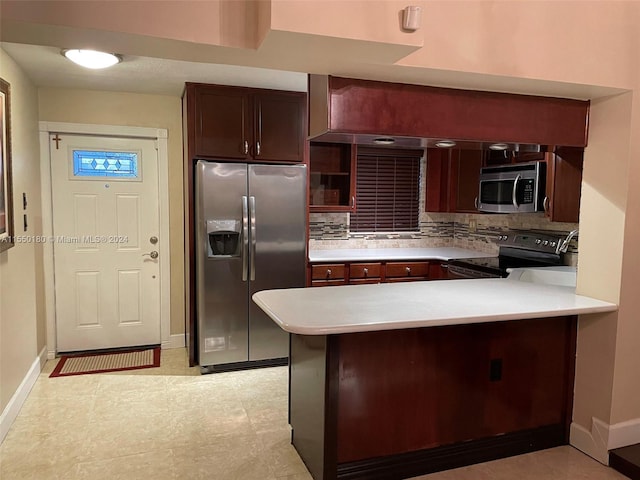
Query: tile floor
[[171, 423]]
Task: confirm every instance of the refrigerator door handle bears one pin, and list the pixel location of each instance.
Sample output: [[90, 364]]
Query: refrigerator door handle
[[252, 260], [245, 238]]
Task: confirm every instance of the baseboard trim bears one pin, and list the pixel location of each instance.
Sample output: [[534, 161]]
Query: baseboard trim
[[624, 434], [604, 437], [44, 356], [175, 341], [406, 465], [17, 400], [594, 442]]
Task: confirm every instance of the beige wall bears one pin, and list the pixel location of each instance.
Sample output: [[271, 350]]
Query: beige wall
[[579, 42], [626, 386], [370, 20], [158, 111], [21, 296], [218, 22]]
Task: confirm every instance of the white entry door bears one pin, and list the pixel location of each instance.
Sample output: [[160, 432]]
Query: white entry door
[[105, 235]]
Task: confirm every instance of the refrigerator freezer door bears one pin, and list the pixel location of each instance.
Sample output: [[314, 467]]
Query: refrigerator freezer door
[[222, 293], [277, 196]]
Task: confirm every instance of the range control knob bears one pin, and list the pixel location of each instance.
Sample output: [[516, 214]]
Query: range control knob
[[553, 244], [545, 243], [505, 237], [538, 241]]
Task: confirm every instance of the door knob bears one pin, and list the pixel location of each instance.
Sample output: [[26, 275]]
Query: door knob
[[153, 240], [152, 254]]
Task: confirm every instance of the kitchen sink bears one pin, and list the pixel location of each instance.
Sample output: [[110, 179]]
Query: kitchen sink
[[561, 276]]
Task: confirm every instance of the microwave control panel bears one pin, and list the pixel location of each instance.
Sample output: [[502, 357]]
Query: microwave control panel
[[525, 191]]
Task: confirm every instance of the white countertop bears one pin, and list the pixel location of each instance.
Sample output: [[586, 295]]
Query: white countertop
[[377, 254], [390, 306]]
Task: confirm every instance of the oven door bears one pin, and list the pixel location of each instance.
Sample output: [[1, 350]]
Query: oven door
[[458, 272]]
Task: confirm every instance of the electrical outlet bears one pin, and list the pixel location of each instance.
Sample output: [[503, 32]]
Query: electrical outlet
[[473, 225]]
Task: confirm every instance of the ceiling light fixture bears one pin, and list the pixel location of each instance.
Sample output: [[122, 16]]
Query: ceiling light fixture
[[445, 144], [384, 141], [498, 146], [92, 58]]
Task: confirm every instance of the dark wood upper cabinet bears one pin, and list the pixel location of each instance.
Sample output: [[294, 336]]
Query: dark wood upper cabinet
[[332, 177], [453, 176], [246, 124], [564, 183], [452, 179], [223, 123], [279, 126], [465, 177]]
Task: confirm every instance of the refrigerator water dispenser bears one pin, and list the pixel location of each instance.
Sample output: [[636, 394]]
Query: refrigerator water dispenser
[[224, 238]]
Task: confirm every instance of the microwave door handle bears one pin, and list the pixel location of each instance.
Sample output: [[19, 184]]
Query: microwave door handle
[[514, 198]]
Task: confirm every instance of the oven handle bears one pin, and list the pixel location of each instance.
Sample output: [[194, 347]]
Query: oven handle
[[514, 198]]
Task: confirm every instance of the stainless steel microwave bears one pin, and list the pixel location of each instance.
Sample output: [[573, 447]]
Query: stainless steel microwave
[[515, 188]]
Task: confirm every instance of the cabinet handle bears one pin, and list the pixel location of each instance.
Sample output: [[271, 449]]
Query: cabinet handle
[[365, 271], [545, 204], [245, 149], [408, 270], [475, 202], [328, 273], [258, 148], [353, 202]]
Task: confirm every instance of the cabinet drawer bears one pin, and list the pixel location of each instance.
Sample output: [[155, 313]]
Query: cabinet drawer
[[327, 283], [364, 270], [362, 281], [407, 269], [334, 271]]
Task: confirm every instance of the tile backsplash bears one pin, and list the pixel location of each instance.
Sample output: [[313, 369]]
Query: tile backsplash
[[472, 231]]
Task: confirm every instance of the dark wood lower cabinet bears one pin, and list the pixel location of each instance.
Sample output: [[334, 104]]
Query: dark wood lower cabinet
[[400, 403]]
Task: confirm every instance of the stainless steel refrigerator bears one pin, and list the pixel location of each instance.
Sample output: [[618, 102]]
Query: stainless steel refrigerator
[[250, 236]]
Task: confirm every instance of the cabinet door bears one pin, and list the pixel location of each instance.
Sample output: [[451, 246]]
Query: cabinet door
[[279, 126], [437, 182], [332, 177], [564, 184], [465, 177], [452, 180], [530, 373], [222, 123]]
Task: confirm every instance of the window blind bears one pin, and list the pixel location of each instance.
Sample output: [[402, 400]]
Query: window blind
[[387, 191]]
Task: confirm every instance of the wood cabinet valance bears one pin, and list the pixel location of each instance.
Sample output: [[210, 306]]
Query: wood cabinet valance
[[343, 108]]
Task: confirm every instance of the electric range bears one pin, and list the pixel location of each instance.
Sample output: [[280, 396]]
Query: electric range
[[529, 248]]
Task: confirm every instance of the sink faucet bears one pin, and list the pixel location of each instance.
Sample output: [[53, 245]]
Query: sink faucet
[[564, 245]]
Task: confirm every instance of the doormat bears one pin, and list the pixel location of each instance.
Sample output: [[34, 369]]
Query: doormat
[[106, 362]]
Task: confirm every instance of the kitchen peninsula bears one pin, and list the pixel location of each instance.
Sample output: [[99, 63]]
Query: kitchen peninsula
[[389, 381]]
